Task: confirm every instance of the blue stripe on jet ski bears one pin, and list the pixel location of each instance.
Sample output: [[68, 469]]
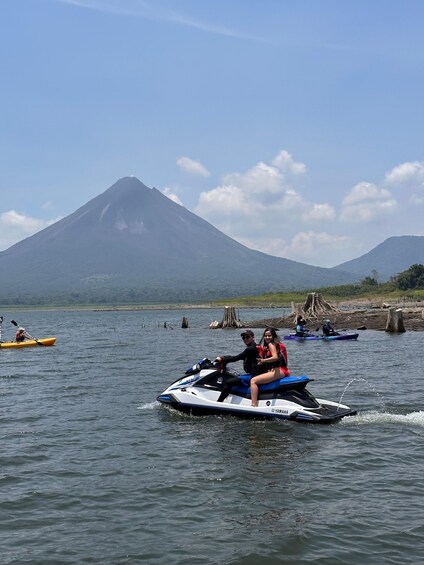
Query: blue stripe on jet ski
[[304, 417], [164, 398]]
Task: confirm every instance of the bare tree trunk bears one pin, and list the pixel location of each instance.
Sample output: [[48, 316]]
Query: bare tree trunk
[[315, 306], [229, 320], [395, 320]]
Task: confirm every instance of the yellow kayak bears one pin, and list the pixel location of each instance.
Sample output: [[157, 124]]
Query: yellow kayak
[[42, 342]]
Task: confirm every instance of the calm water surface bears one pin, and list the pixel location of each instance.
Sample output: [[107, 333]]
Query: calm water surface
[[94, 470]]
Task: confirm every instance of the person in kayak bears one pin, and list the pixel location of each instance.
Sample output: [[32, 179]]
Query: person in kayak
[[327, 329], [301, 327], [274, 358], [21, 335], [249, 356]]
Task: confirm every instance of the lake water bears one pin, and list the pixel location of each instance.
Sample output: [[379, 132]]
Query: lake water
[[93, 470]]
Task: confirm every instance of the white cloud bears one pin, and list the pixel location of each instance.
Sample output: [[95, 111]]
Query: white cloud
[[410, 174], [408, 178], [319, 213], [262, 196], [225, 200], [284, 162], [171, 195], [275, 178], [311, 244], [264, 208], [367, 201], [260, 179], [153, 11], [15, 226], [315, 248], [193, 167], [416, 199]]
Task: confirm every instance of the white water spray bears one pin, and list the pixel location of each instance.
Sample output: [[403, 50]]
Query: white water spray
[[359, 379]]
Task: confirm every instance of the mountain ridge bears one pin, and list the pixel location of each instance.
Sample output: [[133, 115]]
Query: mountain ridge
[[134, 238], [133, 244], [391, 257]]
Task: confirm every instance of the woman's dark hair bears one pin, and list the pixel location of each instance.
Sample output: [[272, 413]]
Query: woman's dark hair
[[275, 338]]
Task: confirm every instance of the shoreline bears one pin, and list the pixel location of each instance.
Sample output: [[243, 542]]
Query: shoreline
[[358, 320], [353, 314]]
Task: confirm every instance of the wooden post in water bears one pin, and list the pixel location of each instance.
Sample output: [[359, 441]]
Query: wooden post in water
[[394, 322]]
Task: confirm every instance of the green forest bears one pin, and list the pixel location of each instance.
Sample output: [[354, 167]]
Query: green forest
[[408, 284]]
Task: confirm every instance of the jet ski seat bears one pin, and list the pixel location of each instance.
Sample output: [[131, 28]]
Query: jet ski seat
[[285, 382]]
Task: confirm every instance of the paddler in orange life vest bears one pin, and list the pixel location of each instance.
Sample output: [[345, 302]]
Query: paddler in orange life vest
[[20, 335]]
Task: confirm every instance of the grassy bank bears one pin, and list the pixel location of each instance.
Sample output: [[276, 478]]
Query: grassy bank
[[332, 295]]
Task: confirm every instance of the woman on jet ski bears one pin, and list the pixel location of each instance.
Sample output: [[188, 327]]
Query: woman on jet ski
[[274, 358]]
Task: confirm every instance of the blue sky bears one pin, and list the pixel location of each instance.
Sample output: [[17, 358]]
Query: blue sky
[[294, 126]]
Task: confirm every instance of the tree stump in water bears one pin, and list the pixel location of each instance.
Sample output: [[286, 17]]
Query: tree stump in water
[[229, 320], [316, 306], [395, 321]]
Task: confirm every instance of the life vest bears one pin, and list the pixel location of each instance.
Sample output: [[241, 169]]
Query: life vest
[[19, 336], [282, 361], [283, 352]]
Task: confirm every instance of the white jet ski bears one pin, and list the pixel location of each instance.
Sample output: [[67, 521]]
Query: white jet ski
[[197, 393]]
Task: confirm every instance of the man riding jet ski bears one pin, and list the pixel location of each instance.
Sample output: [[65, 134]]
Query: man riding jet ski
[[198, 391], [249, 356]]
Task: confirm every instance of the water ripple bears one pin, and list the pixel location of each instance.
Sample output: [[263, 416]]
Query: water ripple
[[95, 470]]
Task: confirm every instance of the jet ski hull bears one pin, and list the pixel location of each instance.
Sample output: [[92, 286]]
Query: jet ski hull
[[326, 415]]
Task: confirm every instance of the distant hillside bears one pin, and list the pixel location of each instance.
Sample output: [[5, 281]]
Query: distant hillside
[[393, 256], [133, 244]]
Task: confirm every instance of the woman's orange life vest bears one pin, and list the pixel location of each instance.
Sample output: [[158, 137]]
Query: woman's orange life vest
[[282, 362], [19, 336]]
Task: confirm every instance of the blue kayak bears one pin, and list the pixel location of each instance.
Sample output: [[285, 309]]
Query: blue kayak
[[312, 337]]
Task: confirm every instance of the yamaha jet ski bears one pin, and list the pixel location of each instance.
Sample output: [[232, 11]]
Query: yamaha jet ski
[[197, 392]]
